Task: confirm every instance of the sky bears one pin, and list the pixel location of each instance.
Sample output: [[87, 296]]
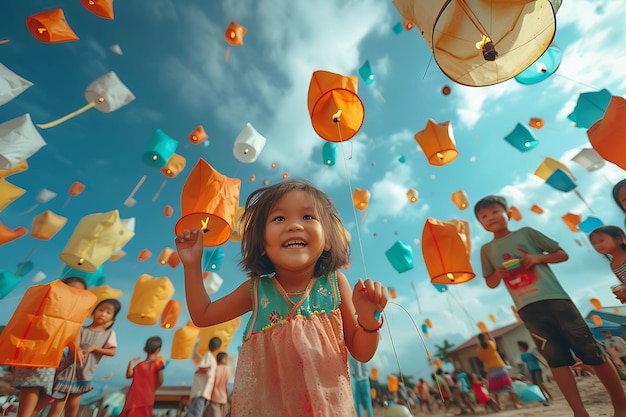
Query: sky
[[183, 74]]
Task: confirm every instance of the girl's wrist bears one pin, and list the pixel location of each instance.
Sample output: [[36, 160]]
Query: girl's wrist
[[370, 328]]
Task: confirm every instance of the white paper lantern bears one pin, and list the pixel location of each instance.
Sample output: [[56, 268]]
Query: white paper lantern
[[11, 85], [248, 145], [19, 139], [212, 282], [45, 195], [109, 93]]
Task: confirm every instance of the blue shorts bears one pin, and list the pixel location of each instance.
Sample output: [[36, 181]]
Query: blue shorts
[[558, 329]]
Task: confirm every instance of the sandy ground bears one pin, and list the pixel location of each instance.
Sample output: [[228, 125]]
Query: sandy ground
[[594, 396]]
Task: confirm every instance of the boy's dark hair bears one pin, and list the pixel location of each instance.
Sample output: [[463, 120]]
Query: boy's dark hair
[[215, 343], [70, 280], [522, 344], [616, 189], [221, 356], [489, 201], [153, 344], [613, 231], [114, 303], [257, 208]]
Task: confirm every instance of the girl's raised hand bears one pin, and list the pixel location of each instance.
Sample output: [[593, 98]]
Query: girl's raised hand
[[189, 245], [369, 297]]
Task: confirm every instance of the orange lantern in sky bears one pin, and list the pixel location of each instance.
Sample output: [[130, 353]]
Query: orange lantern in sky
[[492, 318], [168, 211], [164, 256], [428, 323], [234, 33], [102, 8], [149, 299], [607, 134], [9, 193], [437, 142], [536, 122], [438, 363], [46, 320], [412, 195], [174, 166], [209, 201], [50, 27], [7, 235], [392, 383], [596, 303], [572, 221], [335, 108], [360, 198], [76, 188], [170, 314], [515, 214], [482, 326], [536, 209], [597, 320], [459, 198], [446, 248], [143, 255], [224, 331], [184, 341], [46, 225], [15, 169], [174, 260], [374, 374], [198, 135], [392, 292], [408, 25]]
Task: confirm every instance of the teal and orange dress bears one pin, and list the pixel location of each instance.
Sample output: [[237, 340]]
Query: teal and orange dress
[[293, 360]]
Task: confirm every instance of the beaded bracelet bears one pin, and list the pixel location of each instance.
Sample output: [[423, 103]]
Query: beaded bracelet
[[382, 320]]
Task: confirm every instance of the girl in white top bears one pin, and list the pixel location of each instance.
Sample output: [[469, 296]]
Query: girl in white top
[[611, 242]]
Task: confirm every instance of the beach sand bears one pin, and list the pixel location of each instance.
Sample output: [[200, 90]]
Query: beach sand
[[594, 397]]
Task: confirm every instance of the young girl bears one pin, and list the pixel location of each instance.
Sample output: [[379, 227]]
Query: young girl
[[304, 314], [147, 376], [74, 375], [482, 395], [611, 242], [35, 383]]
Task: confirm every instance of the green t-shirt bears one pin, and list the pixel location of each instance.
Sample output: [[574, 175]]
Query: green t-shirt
[[527, 286]]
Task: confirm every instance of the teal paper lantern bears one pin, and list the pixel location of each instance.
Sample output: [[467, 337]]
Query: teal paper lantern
[[401, 256], [424, 328], [93, 279], [8, 282], [159, 149], [590, 224], [367, 73], [398, 28], [590, 108], [541, 69], [329, 153], [441, 287], [522, 138], [213, 258], [560, 180]]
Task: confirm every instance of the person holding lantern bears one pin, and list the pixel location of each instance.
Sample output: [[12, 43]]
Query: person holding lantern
[[520, 258]]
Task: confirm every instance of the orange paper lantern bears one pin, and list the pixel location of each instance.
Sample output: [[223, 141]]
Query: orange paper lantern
[[170, 314], [536, 122], [572, 221], [143, 255], [76, 188], [102, 8], [7, 235], [50, 27], [596, 303], [438, 363], [459, 199], [198, 135], [336, 110], [174, 166], [607, 134], [392, 292], [428, 323], [209, 201], [446, 248], [482, 326], [164, 256], [412, 195], [46, 320], [224, 331], [437, 142], [46, 225], [184, 341], [374, 374], [360, 198], [168, 211], [492, 318], [536, 209], [515, 214], [597, 320], [392, 383], [174, 260], [234, 33], [149, 299]]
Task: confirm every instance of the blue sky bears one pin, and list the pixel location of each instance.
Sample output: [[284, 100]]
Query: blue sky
[[174, 63]]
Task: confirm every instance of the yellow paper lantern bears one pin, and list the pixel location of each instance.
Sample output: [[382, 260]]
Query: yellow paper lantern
[[336, 110], [224, 331], [15, 169], [360, 198], [184, 341], [174, 166], [46, 225], [482, 326], [459, 199], [446, 248], [236, 233], [9, 193], [392, 383], [437, 142], [149, 299], [170, 314], [164, 256], [548, 166], [209, 201], [47, 318], [104, 292], [412, 195], [117, 255], [96, 237], [492, 318]]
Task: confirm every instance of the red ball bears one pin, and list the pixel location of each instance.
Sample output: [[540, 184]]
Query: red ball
[[446, 90]]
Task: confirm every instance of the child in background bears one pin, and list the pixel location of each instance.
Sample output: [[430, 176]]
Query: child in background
[[219, 396], [533, 362], [610, 241], [147, 376], [73, 377], [204, 380], [482, 395], [520, 258], [36, 383], [293, 359]]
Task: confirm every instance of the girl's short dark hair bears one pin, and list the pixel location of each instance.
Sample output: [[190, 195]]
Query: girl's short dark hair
[[489, 201], [111, 301], [613, 231], [257, 208], [70, 280], [616, 189], [153, 344]]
